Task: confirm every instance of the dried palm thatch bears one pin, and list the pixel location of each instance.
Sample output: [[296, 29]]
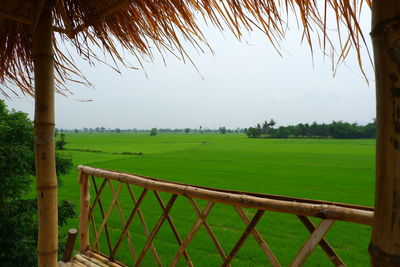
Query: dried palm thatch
[[144, 26]]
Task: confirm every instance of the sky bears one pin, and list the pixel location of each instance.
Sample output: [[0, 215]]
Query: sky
[[239, 84]]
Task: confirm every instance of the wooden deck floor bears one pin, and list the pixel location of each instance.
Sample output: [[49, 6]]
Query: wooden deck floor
[[90, 259]]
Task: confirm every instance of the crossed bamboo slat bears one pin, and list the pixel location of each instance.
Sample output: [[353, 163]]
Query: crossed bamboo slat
[[214, 239], [192, 232], [91, 210], [129, 221], [156, 228], [123, 222], [328, 249], [257, 236], [316, 238], [143, 222], [173, 228]]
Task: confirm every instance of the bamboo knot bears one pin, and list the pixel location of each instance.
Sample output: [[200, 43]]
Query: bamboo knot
[[384, 257], [45, 123], [48, 187], [383, 25], [44, 253], [322, 214], [44, 141]]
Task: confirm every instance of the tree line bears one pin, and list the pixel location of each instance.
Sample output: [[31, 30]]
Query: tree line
[[335, 129], [152, 131], [267, 129]]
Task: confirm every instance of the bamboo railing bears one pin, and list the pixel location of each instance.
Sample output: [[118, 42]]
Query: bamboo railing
[[102, 228]]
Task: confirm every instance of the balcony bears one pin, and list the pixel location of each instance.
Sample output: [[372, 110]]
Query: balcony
[[111, 218]]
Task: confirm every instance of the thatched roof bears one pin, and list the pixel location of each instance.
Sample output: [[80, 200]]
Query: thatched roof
[[144, 26]]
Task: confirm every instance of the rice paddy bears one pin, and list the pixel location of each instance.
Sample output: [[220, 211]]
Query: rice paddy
[[335, 170]]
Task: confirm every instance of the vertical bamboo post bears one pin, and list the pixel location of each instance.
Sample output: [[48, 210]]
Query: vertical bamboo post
[[385, 244], [69, 245], [46, 182], [84, 214]]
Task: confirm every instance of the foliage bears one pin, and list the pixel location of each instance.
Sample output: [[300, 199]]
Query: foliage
[[336, 129], [16, 153], [63, 166], [253, 132], [153, 131], [222, 130], [18, 220], [18, 229], [60, 144]]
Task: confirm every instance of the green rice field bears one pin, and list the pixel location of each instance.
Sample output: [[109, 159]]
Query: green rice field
[[334, 170]]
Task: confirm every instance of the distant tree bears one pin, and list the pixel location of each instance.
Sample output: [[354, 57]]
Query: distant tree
[[222, 130], [281, 132], [254, 132], [60, 144], [18, 220], [370, 130], [187, 130], [314, 129], [153, 131], [267, 127]]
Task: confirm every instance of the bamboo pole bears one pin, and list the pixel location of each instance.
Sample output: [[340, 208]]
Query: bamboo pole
[[173, 228], [312, 242], [15, 17], [156, 228], [385, 244], [323, 211], [214, 239], [84, 212], [183, 245], [253, 223], [260, 240], [328, 249], [262, 195], [142, 220], [46, 182], [69, 245]]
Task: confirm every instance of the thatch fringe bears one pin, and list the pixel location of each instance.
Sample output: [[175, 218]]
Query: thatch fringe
[[143, 27]]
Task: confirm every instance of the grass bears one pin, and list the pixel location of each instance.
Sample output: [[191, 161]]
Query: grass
[[335, 170]]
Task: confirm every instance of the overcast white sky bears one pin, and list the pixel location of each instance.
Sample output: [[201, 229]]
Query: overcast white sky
[[244, 83]]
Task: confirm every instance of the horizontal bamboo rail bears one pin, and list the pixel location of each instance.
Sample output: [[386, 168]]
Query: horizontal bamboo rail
[[319, 209], [329, 212]]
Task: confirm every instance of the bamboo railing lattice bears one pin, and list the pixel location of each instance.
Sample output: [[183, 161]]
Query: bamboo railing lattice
[[100, 232]]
